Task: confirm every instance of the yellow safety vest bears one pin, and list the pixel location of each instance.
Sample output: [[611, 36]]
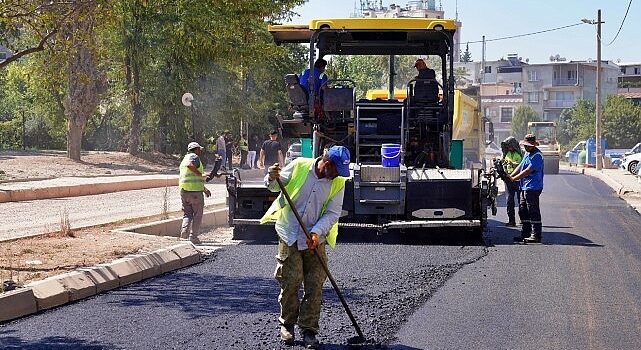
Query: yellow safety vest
[[244, 146], [515, 158], [296, 181], [188, 180]]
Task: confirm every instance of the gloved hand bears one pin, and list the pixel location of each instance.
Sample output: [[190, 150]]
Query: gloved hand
[[207, 193], [312, 243], [274, 172], [208, 178]]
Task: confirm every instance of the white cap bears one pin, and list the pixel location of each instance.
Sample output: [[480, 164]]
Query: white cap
[[193, 145]]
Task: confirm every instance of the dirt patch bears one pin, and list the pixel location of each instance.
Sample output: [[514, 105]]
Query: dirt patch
[[34, 258], [48, 164]]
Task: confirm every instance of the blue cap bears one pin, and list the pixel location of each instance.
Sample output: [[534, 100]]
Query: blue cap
[[339, 155]]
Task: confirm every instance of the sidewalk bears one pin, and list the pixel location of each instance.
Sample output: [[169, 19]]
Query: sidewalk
[[623, 183], [80, 186], [63, 187]]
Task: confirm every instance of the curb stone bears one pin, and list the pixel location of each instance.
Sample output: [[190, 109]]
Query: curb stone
[[17, 303], [88, 281]]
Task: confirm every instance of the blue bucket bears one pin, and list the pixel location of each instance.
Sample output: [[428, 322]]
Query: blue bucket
[[390, 155]]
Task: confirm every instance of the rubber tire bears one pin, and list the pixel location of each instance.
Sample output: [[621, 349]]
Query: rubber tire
[[632, 166]]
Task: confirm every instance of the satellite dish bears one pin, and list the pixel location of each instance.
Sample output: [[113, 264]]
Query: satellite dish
[[187, 99]]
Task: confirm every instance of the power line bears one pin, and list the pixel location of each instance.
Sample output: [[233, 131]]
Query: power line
[[621, 26], [526, 34]]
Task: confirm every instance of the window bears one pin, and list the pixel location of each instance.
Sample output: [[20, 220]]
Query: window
[[571, 75], [637, 70], [622, 70], [532, 76], [488, 69], [506, 114], [3, 55], [533, 97]]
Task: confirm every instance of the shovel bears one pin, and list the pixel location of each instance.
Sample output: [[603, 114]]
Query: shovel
[[353, 340]]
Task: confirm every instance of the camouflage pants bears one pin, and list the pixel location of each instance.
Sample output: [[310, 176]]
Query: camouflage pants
[[293, 268]]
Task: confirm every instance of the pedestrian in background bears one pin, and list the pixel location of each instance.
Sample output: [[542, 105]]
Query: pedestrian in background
[[229, 147], [221, 149], [316, 187], [243, 145], [254, 146], [192, 187], [511, 159], [271, 152], [530, 175]]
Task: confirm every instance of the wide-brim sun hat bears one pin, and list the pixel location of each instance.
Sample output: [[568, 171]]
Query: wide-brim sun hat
[[529, 140]]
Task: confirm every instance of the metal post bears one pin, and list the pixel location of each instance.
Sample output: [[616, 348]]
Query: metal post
[[24, 131], [193, 125], [599, 159], [392, 73]]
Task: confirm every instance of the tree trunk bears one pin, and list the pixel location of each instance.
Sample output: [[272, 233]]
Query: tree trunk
[[135, 59], [74, 141]]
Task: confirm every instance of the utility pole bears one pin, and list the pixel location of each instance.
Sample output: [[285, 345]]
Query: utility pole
[[599, 159]]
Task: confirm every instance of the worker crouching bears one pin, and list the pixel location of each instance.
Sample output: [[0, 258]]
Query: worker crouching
[[316, 187]]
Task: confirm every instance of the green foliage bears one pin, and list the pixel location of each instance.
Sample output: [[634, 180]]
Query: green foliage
[[522, 116], [221, 52], [466, 56], [372, 72], [621, 122]]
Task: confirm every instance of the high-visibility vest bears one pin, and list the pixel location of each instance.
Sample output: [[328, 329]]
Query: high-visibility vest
[[188, 180], [515, 158], [244, 146], [296, 182]]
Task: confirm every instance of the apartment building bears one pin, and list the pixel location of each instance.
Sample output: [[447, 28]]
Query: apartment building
[[501, 89], [550, 88], [630, 75]]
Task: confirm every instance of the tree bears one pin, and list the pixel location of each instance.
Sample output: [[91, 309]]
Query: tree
[[522, 116], [460, 76], [84, 80], [466, 56], [621, 122], [577, 123]]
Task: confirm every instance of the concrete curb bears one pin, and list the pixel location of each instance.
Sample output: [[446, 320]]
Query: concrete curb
[[171, 227], [84, 189], [620, 189], [89, 281], [617, 187]]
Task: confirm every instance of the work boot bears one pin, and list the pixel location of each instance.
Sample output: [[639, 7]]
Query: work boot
[[510, 223], [533, 238], [194, 239], [287, 334], [309, 339]]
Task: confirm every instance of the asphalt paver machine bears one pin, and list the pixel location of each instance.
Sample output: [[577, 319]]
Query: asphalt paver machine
[[427, 184]]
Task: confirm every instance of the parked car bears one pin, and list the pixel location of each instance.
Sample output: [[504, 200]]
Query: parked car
[[630, 162], [634, 150], [293, 152]]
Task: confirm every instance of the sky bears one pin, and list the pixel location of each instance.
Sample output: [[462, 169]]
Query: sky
[[501, 18]]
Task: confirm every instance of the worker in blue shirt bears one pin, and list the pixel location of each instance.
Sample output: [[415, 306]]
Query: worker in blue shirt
[[320, 78], [530, 174]]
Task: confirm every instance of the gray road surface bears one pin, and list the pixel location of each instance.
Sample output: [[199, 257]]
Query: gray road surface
[[18, 219], [580, 289]]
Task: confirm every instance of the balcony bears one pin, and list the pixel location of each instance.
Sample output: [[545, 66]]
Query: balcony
[[567, 82], [559, 104]]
